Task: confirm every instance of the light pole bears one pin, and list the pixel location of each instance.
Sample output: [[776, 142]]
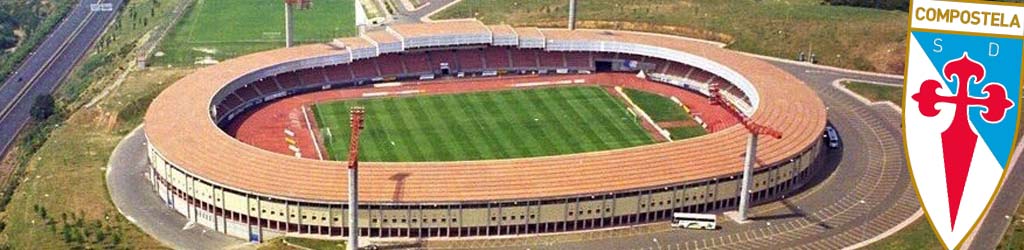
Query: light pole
[[356, 118], [572, 14]]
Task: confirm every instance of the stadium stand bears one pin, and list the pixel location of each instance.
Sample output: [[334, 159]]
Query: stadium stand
[[470, 60], [312, 77], [288, 80], [390, 65], [267, 86], [338, 73], [248, 92], [579, 60], [365, 69], [552, 59], [524, 58], [417, 63], [497, 58]]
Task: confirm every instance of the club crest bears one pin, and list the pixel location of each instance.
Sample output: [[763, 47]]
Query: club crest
[[960, 115]]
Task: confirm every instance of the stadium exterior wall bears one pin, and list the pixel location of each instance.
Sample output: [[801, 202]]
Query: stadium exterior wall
[[259, 216]]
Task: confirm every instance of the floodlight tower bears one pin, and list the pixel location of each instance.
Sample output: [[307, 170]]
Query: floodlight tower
[[750, 158], [356, 118], [288, 6], [572, 14]]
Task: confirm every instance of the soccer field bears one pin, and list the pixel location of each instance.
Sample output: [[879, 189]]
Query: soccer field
[[222, 29], [484, 125]]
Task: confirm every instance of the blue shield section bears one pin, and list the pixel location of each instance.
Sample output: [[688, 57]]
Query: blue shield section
[[1002, 60]]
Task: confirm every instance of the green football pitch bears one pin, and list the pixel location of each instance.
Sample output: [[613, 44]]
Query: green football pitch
[[483, 125], [222, 29]]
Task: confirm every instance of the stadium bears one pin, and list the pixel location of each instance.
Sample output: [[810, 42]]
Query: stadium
[[229, 151]]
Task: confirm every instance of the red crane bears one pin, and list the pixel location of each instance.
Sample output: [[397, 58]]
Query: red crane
[[752, 126], [750, 157]]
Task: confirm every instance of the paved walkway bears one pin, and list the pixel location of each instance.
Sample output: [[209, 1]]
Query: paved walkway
[[130, 189]]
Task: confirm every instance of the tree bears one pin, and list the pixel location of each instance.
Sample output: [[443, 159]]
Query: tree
[[43, 107]]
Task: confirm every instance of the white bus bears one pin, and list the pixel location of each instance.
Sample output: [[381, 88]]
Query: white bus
[[694, 221]]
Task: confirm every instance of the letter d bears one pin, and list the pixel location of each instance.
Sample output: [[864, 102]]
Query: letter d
[[993, 49]]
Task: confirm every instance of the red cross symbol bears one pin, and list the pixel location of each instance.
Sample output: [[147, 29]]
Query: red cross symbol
[[958, 140]]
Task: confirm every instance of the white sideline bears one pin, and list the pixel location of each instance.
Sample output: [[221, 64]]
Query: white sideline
[[312, 136], [386, 85], [375, 94]]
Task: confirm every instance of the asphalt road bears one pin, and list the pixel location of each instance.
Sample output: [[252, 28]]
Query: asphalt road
[[49, 64], [414, 16], [127, 182]]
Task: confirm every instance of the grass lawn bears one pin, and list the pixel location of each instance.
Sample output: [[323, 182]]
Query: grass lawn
[[660, 108], [485, 125], [680, 133], [222, 29], [849, 37], [663, 109], [66, 177], [916, 236], [875, 92]]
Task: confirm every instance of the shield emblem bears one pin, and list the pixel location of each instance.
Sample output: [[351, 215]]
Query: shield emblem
[[960, 115]]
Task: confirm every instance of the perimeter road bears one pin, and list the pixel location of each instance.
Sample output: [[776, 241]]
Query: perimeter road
[[49, 64], [131, 192]]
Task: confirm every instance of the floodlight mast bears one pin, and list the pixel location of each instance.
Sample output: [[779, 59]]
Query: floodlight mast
[[356, 119], [750, 157], [288, 6]]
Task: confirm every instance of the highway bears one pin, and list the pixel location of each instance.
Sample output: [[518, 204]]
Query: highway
[[49, 64]]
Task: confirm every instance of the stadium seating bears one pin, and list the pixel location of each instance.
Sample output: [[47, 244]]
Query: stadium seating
[[248, 92], [679, 69], [552, 59], [656, 65], [267, 86], [390, 65], [496, 58], [230, 102], [366, 68], [289, 80], [578, 60], [524, 58], [605, 55], [701, 76], [443, 56], [338, 73], [417, 63], [470, 60], [312, 77]]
